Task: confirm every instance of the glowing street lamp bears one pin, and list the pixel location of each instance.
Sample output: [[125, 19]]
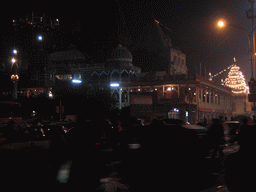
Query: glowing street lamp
[[39, 37], [14, 77], [14, 51], [76, 78], [13, 60], [221, 23], [76, 81], [114, 85]]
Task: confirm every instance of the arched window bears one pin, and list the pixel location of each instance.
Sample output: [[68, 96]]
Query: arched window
[[103, 77], [115, 77], [95, 77], [124, 96], [124, 76], [130, 74], [133, 77], [116, 95]]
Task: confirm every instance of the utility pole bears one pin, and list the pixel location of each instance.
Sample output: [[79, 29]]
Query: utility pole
[[250, 15], [252, 82]]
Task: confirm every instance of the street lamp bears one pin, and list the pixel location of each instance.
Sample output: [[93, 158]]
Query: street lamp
[[222, 24], [76, 81], [252, 82], [117, 85], [13, 61], [40, 37], [14, 51], [114, 85], [76, 78], [14, 77]]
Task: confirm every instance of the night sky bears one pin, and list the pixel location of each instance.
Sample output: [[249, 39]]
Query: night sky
[[97, 27]]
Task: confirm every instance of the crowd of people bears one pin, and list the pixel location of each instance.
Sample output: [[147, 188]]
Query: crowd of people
[[239, 166], [164, 153]]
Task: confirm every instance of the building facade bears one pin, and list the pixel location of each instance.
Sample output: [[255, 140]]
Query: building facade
[[188, 97], [162, 94], [115, 74]]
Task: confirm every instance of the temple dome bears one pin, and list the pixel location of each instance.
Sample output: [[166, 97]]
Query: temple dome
[[121, 54]]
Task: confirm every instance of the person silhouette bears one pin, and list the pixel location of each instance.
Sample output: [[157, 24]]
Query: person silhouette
[[240, 166], [216, 138]]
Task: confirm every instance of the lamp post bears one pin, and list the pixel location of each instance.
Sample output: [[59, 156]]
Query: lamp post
[[250, 15], [222, 24], [117, 85], [252, 82], [14, 76], [39, 37]]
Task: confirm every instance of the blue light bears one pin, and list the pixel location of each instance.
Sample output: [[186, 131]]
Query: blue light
[[14, 51], [114, 85], [40, 38], [76, 81]]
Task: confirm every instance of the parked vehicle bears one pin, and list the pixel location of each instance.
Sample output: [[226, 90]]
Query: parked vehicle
[[173, 122], [34, 136], [201, 130], [231, 129]]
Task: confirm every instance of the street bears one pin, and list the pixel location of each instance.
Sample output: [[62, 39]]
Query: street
[[130, 170]]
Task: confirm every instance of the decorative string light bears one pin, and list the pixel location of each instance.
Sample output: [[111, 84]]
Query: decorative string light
[[211, 76], [236, 80]]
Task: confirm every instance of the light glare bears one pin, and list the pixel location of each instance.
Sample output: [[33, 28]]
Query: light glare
[[114, 85], [14, 51], [76, 81], [221, 23], [40, 38]]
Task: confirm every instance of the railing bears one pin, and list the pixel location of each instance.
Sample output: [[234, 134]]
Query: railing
[[148, 78], [184, 99]]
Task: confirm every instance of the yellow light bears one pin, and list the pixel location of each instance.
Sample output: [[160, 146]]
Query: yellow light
[[157, 21], [13, 60], [14, 77], [221, 23], [50, 94]]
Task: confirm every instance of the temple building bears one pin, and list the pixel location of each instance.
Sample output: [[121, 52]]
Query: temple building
[[115, 74], [240, 90]]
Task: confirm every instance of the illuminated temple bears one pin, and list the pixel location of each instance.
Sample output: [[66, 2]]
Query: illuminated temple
[[236, 81]]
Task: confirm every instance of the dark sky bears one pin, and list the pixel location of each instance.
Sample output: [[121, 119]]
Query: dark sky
[[194, 26]]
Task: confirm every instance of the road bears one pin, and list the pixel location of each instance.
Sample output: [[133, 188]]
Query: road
[[218, 181], [128, 169], [214, 180]]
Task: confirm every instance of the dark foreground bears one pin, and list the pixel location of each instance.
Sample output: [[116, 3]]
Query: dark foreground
[[163, 161]]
